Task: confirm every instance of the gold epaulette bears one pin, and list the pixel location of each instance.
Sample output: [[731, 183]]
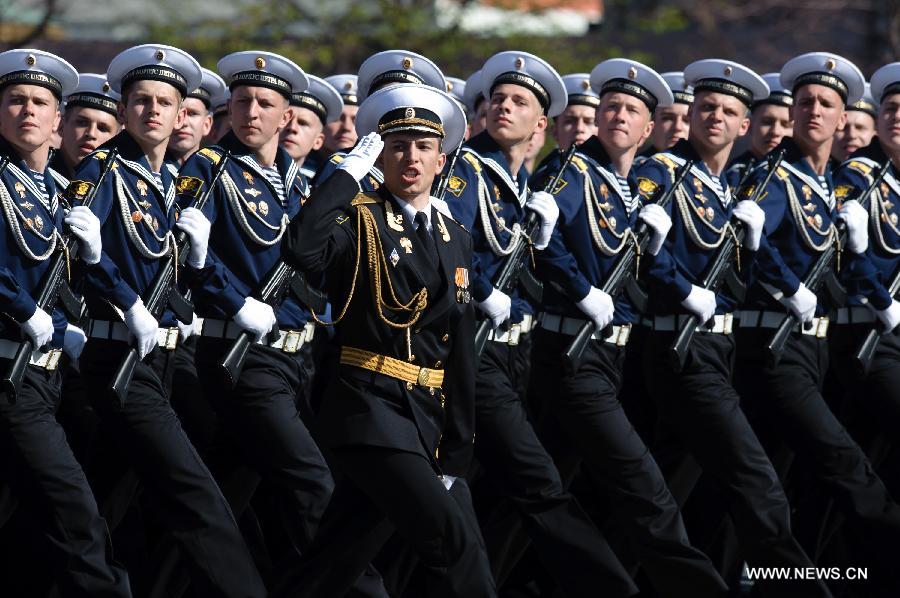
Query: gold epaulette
[[336, 159], [579, 164], [210, 154], [858, 166], [473, 161], [666, 160], [782, 173], [366, 198], [100, 155]]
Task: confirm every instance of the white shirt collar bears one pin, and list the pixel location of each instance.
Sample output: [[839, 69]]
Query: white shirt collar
[[411, 212]]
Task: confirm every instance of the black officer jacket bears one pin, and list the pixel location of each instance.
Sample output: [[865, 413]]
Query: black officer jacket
[[366, 408]]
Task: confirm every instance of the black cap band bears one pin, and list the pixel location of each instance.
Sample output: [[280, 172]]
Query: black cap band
[[632, 89], [727, 87], [526, 81], [826, 79], [410, 119], [583, 99], [864, 106], [261, 79], [92, 100], [777, 98], [202, 95], [310, 102], [157, 73], [394, 77], [32, 78], [683, 97]]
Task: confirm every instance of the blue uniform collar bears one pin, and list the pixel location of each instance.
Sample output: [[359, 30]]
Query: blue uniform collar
[[285, 165], [492, 156]]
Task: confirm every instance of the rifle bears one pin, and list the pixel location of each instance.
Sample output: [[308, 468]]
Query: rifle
[[162, 291], [866, 351], [51, 288], [818, 274], [445, 178], [508, 276], [621, 277], [721, 269]]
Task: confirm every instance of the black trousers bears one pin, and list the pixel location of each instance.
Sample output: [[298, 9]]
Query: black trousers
[[263, 435], [583, 414], [190, 504], [563, 535], [703, 429], [385, 490], [46, 476]]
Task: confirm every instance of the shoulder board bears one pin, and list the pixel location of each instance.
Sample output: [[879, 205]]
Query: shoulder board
[[859, 167], [666, 160], [99, 155], [782, 174], [210, 154], [579, 163], [336, 159], [473, 161], [366, 198]]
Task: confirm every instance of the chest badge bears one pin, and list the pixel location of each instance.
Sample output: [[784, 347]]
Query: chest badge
[[710, 214], [604, 191], [38, 223], [248, 177], [462, 285], [807, 192], [406, 244], [136, 216], [263, 208], [20, 189], [141, 187], [395, 256], [26, 205], [253, 192]]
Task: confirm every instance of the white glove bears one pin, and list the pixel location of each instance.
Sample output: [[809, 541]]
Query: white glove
[[659, 221], [802, 304], [73, 341], [857, 225], [186, 331], [86, 227], [890, 316], [497, 307], [196, 226], [700, 302], [255, 317], [543, 204], [598, 306], [142, 326], [753, 216], [361, 158], [39, 327]]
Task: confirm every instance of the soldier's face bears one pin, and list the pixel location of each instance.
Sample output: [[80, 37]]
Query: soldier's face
[[28, 116], [818, 112], [623, 121], [671, 124], [186, 139], [857, 132], [888, 123], [341, 134], [221, 125], [258, 114], [717, 119], [151, 111], [769, 124], [576, 124], [410, 162], [514, 114], [84, 130], [303, 133]]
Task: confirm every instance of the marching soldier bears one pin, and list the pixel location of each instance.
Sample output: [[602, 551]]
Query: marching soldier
[[221, 120], [474, 98], [340, 135], [135, 205], [198, 120], [377, 71], [313, 110], [489, 195], [398, 418], [599, 206], [859, 129], [801, 208], [770, 122], [577, 123], [699, 410], [32, 85], [250, 205], [671, 123]]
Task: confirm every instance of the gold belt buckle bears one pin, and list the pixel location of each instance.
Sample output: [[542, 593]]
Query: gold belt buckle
[[623, 336], [822, 327], [293, 339], [171, 339], [514, 332], [53, 356], [422, 378]]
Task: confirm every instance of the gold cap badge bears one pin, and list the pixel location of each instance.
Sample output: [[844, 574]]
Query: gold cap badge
[[830, 64], [160, 54], [407, 63], [520, 63], [410, 113], [728, 70], [632, 73], [30, 60], [260, 62]]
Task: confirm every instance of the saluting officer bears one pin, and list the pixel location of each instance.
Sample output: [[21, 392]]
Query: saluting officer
[[801, 208], [198, 121], [858, 131], [699, 411], [43, 469], [249, 208], [599, 206], [399, 417], [135, 205], [770, 122], [378, 70]]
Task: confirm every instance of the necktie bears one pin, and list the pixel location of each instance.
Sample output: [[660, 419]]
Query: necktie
[[426, 238]]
